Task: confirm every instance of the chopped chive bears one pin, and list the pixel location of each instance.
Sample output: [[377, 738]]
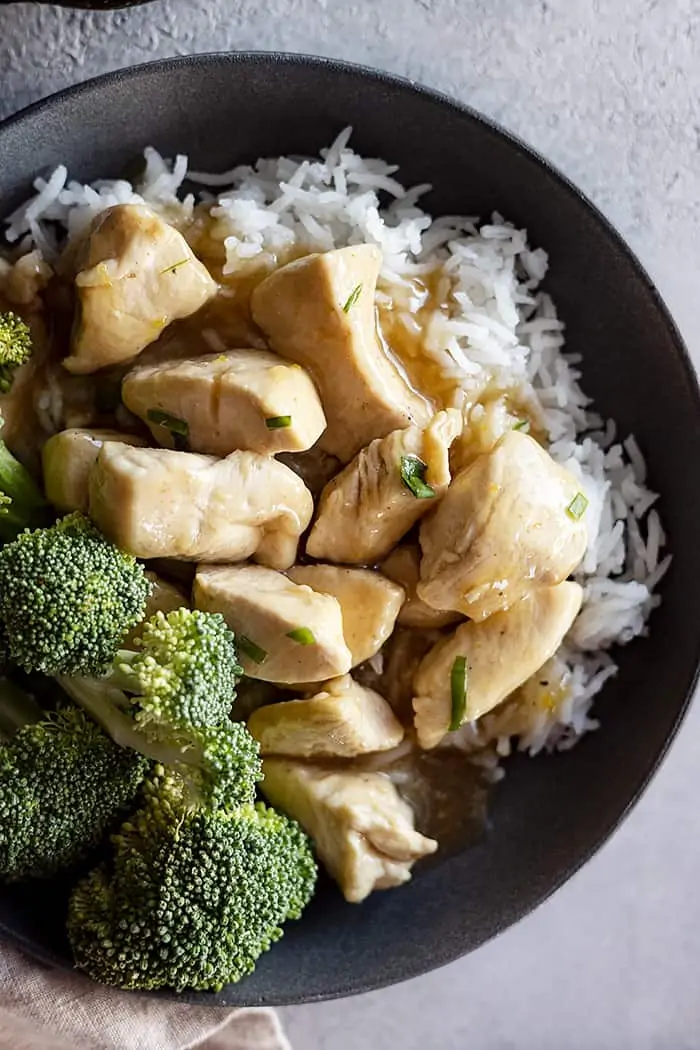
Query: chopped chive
[[523, 425], [278, 422], [171, 423], [577, 507], [302, 635], [352, 298], [250, 649], [174, 267], [458, 687], [413, 476]]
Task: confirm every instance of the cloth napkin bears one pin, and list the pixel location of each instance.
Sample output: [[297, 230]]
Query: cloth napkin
[[42, 1008]]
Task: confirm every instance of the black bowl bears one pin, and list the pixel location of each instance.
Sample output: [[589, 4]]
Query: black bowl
[[550, 815]]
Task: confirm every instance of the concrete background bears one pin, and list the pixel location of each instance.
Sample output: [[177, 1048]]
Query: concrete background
[[610, 91]]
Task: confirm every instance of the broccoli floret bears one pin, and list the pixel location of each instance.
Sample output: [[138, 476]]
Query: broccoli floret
[[68, 597], [192, 897], [63, 785], [15, 347], [21, 503], [184, 671], [171, 699]]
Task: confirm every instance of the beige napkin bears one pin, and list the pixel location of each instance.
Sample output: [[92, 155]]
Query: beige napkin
[[46, 1009]]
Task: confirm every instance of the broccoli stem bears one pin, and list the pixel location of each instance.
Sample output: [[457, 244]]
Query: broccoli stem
[[23, 506], [108, 705], [17, 709]]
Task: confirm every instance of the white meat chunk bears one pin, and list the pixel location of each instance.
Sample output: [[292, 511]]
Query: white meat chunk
[[512, 521], [319, 312], [343, 720], [240, 399], [362, 829], [286, 633], [156, 503], [136, 274], [68, 458], [369, 604], [498, 655], [403, 566], [370, 506]]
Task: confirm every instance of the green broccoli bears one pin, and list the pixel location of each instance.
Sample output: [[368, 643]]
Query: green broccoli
[[21, 503], [63, 785], [67, 598], [171, 699], [15, 347], [191, 897]]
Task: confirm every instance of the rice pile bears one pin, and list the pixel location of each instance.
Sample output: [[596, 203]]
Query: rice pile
[[492, 324]]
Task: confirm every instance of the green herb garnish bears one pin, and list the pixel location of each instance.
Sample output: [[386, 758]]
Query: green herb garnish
[[458, 687], [250, 649], [352, 298], [303, 636], [577, 507], [413, 476], [523, 425], [174, 267], [278, 422], [179, 428]]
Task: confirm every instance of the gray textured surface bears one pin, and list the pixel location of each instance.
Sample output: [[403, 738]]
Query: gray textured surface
[[610, 91]]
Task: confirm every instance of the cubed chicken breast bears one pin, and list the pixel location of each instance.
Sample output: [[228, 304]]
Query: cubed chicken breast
[[369, 604], [156, 503], [69, 457], [343, 720], [241, 399], [362, 829], [135, 275], [383, 492], [286, 633], [319, 312], [403, 566], [474, 669], [512, 521]]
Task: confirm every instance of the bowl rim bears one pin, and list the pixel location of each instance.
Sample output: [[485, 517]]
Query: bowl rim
[[372, 76]]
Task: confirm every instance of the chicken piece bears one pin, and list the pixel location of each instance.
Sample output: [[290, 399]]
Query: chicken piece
[[69, 457], [286, 633], [319, 312], [165, 597], [512, 521], [403, 566], [343, 720], [370, 505], [369, 604], [362, 829], [135, 275], [485, 423], [156, 503], [498, 655], [241, 399]]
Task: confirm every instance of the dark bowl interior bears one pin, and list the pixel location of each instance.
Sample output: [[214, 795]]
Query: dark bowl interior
[[549, 815]]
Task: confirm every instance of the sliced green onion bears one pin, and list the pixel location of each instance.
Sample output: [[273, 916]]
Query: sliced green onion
[[413, 476], [179, 428], [577, 507], [303, 636], [174, 267], [352, 298], [278, 422], [171, 423], [458, 687], [523, 425], [250, 649]]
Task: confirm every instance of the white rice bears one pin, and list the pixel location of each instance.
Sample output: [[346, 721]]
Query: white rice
[[495, 322]]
